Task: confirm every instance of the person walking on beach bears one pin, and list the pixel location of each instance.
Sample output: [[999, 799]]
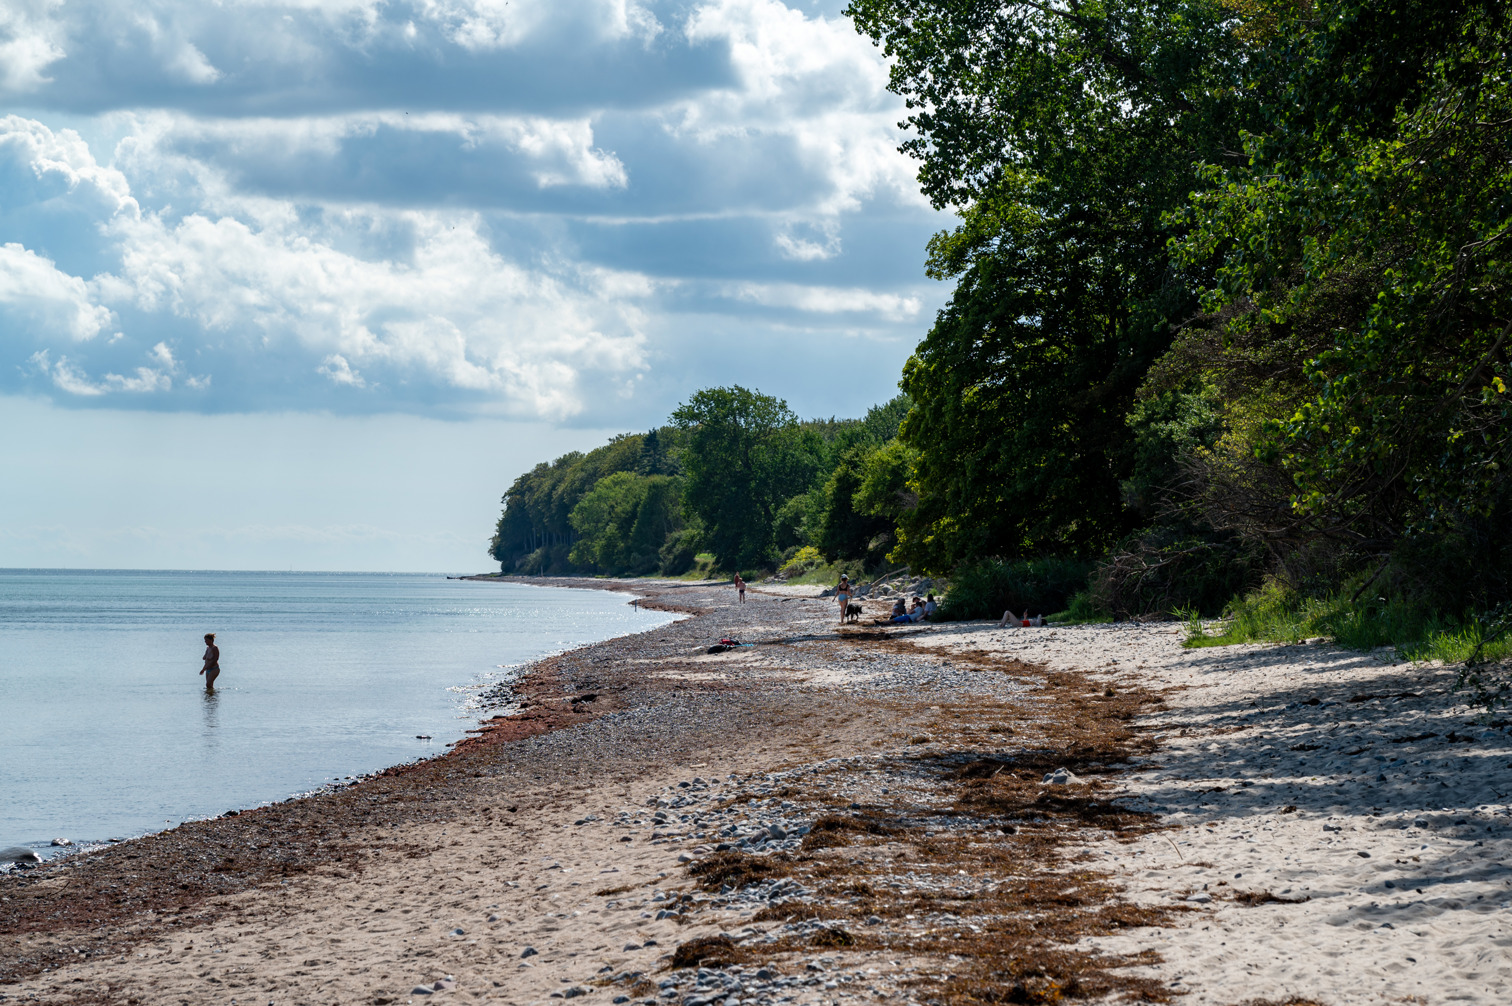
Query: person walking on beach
[[740, 586], [211, 670], [843, 595]]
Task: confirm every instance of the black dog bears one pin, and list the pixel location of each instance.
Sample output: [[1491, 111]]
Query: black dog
[[852, 612]]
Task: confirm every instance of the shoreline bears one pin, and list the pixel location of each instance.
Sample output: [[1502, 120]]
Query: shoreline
[[481, 716], [477, 716], [847, 815]]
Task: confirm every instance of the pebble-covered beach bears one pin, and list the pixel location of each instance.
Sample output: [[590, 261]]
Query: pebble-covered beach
[[927, 813]]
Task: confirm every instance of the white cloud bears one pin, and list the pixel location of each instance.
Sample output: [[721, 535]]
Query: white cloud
[[806, 249], [61, 159], [336, 368], [46, 299], [518, 252], [552, 152], [484, 25], [456, 310], [30, 40], [827, 300], [818, 83], [144, 379], [66, 376]]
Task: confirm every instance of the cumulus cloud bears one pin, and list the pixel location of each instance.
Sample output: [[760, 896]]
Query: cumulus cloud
[[29, 44], [455, 310], [452, 205], [66, 376], [336, 368], [35, 294]]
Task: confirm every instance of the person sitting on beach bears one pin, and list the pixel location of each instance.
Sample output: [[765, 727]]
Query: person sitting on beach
[[843, 594], [930, 607], [899, 608], [913, 614], [211, 670]]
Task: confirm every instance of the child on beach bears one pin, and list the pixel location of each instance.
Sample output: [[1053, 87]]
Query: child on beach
[[740, 586], [211, 670]]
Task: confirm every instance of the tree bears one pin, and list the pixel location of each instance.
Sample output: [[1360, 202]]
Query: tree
[[1062, 135], [745, 456], [603, 519], [1360, 268]]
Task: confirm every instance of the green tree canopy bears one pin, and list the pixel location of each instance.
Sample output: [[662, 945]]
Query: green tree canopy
[[1362, 297], [746, 456], [1062, 135]]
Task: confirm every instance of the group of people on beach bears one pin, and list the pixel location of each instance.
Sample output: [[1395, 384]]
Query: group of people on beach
[[916, 611]]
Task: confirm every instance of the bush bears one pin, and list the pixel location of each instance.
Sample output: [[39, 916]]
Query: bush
[[987, 588], [1166, 569], [680, 551], [800, 561]]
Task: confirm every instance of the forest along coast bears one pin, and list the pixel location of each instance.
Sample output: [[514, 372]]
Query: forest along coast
[[925, 813]]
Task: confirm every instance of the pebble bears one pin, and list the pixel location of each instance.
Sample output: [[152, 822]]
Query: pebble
[[19, 854], [1060, 777], [529, 952]]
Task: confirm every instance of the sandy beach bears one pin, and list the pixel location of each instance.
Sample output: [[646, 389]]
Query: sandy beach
[[932, 814]]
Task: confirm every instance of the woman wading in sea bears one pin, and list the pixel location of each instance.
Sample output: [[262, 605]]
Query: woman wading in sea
[[211, 670]]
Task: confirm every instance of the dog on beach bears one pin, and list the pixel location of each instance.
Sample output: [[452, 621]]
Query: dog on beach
[[853, 612]]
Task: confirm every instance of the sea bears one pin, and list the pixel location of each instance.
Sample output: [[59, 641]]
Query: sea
[[107, 732]]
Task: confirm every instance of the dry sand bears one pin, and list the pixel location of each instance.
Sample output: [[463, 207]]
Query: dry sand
[[1388, 814], [1357, 786]]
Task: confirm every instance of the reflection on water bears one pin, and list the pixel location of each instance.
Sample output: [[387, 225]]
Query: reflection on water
[[333, 675], [211, 706]]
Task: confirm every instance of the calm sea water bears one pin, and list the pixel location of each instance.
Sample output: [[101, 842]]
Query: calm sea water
[[106, 730]]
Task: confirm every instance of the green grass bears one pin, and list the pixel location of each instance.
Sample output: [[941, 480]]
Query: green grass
[[1275, 615], [829, 574], [703, 569], [1080, 612]]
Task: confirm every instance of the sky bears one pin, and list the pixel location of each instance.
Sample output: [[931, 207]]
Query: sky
[[306, 283]]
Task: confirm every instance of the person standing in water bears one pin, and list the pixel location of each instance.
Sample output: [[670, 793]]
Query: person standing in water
[[211, 670]]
